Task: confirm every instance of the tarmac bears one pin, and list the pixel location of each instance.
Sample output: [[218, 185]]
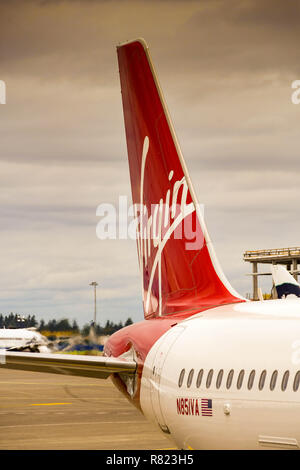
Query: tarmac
[[52, 412]]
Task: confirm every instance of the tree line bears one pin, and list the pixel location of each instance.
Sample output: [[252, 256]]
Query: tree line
[[20, 321]]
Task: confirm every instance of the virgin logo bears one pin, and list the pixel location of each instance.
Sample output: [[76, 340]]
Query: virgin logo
[[155, 229]]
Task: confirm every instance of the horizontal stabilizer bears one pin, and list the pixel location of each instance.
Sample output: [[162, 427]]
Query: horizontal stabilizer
[[99, 367]]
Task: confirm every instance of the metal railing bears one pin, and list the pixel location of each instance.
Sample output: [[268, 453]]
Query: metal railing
[[283, 252]]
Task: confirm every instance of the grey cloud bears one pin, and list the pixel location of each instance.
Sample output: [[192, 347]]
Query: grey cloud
[[269, 12]]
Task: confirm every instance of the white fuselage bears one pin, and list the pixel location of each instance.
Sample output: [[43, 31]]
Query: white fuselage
[[256, 412], [22, 338]]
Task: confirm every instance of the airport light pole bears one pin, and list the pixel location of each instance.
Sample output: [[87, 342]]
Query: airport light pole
[[94, 284]]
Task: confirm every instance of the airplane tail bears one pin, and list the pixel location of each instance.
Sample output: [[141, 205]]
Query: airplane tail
[[284, 282], [179, 268]]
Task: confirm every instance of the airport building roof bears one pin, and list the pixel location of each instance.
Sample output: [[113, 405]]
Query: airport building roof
[[275, 255], [288, 256]]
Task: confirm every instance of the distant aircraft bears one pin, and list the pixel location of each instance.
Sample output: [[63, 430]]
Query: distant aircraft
[[210, 369], [286, 286], [23, 339]]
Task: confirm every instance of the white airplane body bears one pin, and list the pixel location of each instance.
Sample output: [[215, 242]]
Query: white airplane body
[[263, 337], [210, 369], [20, 339]]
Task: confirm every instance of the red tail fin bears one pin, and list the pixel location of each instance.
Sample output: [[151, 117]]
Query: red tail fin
[[180, 272]]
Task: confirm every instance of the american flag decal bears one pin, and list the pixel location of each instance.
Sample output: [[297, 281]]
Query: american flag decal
[[206, 407]]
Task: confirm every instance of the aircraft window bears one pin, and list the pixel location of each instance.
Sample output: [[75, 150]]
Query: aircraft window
[[296, 381], [262, 379], [181, 377], [229, 378], [199, 378], [209, 378], [273, 380], [219, 378], [240, 379], [190, 377], [285, 380], [251, 379]]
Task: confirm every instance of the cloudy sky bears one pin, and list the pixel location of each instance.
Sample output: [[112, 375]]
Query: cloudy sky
[[226, 69]]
